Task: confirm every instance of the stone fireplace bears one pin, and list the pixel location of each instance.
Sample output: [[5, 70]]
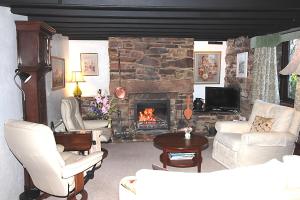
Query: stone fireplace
[[156, 72], [152, 114]]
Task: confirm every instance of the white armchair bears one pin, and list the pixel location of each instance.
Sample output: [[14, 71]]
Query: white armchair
[[73, 121], [234, 145], [52, 171]]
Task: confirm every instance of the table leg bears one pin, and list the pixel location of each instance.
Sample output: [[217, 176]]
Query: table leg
[[165, 157], [199, 158]]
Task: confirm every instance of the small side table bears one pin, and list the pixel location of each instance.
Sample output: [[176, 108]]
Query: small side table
[[297, 148]]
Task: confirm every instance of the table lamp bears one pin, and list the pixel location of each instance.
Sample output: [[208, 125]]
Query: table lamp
[[77, 77], [294, 68]]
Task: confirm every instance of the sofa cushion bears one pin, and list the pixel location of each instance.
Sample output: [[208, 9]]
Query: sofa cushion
[[230, 140], [292, 166], [262, 124], [264, 181]]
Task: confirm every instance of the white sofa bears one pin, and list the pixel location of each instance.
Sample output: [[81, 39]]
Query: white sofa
[[235, 145], [273, 180]]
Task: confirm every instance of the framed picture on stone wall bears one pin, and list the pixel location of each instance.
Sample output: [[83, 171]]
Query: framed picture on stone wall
[[89, 64], [207, 67], [241, 65], [58, 73]]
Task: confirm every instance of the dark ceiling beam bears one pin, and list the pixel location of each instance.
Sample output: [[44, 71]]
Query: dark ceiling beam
[[162, 33], [287, 14], [166, 4], [201, 4], [162, 21], [170, 27], [153, 25], [141, 34], [165, 29], [198, 37]]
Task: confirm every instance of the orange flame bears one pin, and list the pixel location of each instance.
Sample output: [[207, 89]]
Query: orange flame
[[147, 115]]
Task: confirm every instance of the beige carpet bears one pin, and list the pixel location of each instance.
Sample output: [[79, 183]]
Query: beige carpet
[[125, 159]]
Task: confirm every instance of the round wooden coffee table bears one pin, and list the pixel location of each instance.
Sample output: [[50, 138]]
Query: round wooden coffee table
[[176, 143]]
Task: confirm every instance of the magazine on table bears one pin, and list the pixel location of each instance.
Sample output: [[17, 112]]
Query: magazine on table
[[181, 156]]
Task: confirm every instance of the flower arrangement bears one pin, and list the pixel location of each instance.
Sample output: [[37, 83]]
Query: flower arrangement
[[103, 106]]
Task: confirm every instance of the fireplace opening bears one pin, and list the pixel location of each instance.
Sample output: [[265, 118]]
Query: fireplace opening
[[152, 114]]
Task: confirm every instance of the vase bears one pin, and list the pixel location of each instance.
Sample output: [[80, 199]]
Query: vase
[[187, 134]]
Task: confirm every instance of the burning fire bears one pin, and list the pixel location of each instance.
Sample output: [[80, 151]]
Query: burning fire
[[147, 115]]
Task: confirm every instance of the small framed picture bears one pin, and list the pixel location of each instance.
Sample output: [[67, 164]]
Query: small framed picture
[[89, 64], [242, 65], [207, 67], [58, 73]]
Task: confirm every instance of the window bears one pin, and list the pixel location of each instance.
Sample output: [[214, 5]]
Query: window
[[292, 78], [287, 84]]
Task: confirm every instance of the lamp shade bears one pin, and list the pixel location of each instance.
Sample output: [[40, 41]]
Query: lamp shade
[[25, 77], [77, 76], [294, 65]]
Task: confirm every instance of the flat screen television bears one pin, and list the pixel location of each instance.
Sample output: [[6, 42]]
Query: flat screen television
[[222, 99]]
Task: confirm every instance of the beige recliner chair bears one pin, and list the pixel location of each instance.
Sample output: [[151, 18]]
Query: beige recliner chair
[[234, 145], [73, 121], [52, 171]]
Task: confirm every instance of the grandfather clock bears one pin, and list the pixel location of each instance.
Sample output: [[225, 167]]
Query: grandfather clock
[[33, 43], [33, 38]]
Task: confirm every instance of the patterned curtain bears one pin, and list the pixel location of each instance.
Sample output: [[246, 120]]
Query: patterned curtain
[[265, 77]]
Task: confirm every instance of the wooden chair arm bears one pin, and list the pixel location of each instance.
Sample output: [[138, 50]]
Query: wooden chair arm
[[74, 141]]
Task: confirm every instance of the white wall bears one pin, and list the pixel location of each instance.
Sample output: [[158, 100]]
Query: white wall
[[59, 48], [11, 172], [93, 83], [199, 90]]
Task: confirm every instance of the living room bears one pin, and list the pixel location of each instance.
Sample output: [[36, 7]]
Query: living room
[[168, 71]]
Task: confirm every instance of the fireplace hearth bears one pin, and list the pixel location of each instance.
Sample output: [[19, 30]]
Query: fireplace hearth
[[152, 115]]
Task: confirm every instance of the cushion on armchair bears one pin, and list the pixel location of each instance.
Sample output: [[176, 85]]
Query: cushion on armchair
[[262, 124]]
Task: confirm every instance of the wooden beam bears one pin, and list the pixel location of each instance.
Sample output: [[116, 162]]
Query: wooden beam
[[162, 21], [167, 29], [200, 4], [59, 25], [230, 14], [166, 4]]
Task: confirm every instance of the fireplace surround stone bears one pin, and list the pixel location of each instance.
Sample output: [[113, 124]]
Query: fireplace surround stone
[[151, 69]]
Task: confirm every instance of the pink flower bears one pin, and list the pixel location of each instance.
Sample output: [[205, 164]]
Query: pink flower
[[104, 110], [105, 101], [98, 99]]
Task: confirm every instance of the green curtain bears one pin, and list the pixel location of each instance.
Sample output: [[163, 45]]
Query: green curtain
[[272, 40], [265, 78]]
